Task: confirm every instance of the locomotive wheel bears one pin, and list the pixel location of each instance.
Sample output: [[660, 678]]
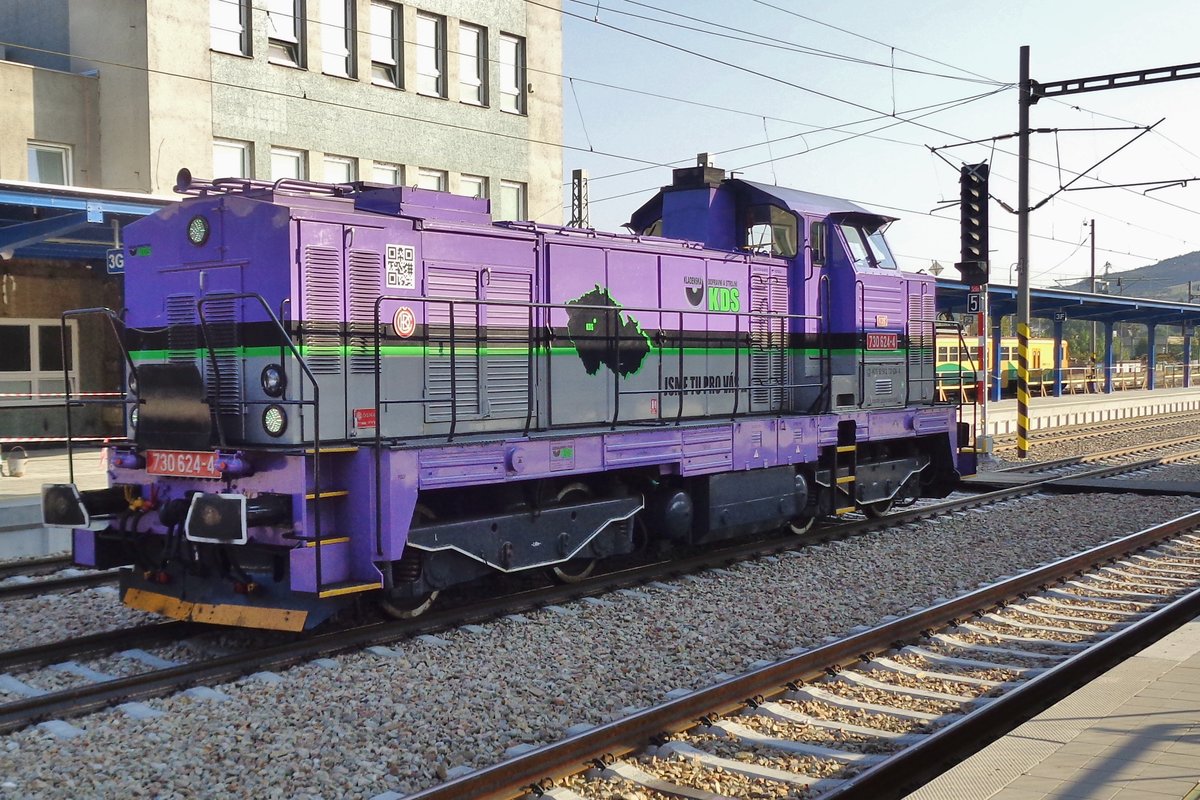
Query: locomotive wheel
[[410, 607], [879, 509], [577, 569], [801, 525]]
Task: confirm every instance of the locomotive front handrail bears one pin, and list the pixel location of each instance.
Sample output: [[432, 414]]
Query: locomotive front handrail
[[285, 340], [113, 320]]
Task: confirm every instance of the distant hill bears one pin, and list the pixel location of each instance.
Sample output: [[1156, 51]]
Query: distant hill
[[1166, 280]]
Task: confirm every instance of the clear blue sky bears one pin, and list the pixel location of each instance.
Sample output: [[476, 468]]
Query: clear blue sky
[[706, 106]]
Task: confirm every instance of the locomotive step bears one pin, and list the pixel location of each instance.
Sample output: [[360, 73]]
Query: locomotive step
[[327, 495], [349, 587], [325, 542], [335, 450]]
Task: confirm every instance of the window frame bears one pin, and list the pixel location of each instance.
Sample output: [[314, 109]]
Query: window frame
[[398, 169], [33, 146], [522, 211], [394, 67], [245, 39], [478, 83], [35, 375], [439, 55], [301, 161], [287, 50], [346, 52], [247, 151], [349, 162], [429, 172], [480, 180], [513, 98]]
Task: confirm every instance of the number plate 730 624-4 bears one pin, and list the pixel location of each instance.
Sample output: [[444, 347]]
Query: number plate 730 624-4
[[182, 463]]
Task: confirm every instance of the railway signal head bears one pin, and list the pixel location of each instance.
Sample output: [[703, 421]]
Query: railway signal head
[[973, 200]]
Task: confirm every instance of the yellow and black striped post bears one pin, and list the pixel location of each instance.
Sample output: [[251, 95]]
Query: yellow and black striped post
[[1022, 390]]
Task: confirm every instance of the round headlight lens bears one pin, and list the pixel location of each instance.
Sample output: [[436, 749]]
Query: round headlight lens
[[274, 381], [133, 418], [274, 420], [132, 383], [198, 230]]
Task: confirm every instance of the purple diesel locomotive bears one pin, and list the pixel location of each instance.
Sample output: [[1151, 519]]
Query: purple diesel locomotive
[[339, 390]]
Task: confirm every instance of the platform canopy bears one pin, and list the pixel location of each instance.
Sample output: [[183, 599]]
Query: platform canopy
[[66, 222], [952, 297]]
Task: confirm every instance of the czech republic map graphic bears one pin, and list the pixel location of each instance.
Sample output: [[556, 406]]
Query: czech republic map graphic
[[605, 337]]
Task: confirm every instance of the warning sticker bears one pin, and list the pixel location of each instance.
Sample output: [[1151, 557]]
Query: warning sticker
[[401, 266]]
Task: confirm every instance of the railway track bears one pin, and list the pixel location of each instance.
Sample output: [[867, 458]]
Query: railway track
[[90, 697], [923, 691], [1073, 433], [65, 583], [32, 567], [1109, 455]]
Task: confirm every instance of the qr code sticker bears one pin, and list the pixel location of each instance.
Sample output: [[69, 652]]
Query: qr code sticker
[[401, 266]]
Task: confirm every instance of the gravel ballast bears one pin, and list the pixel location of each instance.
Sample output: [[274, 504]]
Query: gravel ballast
[[375, 723]]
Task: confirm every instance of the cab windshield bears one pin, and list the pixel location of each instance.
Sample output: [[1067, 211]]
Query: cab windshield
[[867, 247]]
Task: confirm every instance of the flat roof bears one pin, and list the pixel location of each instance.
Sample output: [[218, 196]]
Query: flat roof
[[1046, 303], [67, 223]]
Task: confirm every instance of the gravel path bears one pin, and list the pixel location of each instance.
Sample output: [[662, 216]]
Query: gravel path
[[400, 720]]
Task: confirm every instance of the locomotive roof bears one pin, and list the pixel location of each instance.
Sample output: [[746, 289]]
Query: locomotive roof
[[796, 200], [809, 203]]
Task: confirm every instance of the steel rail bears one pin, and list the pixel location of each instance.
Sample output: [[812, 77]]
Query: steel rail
[[14, 591], [34, 566], [53, 652], [1076, 432], [513, 777], [1087, 458], [90, 697]]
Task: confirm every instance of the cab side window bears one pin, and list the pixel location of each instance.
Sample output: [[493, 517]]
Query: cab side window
[[816, 242], [770, 230]]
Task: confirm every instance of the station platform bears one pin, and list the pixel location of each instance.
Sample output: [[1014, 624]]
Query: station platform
[[1085, 409], [1131, 734]]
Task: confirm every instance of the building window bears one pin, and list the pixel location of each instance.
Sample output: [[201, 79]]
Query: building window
[[231, 26], [285, 32], [511, 201], [50, 163], [232, 159], [431, 55], [389, 174], [32, 360], [473, 186], [386, 55], [339, 169], [337, 37], [434, 179], [472, 64], [287, 164], [512, 74]]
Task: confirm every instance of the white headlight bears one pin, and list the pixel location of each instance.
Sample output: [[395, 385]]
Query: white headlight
[[274, 420]]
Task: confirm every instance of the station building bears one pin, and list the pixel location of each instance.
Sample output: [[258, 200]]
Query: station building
[[457, 95]]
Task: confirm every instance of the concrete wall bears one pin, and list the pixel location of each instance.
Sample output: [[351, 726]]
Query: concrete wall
[[49, 106], [302, 109], [163, 95]]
